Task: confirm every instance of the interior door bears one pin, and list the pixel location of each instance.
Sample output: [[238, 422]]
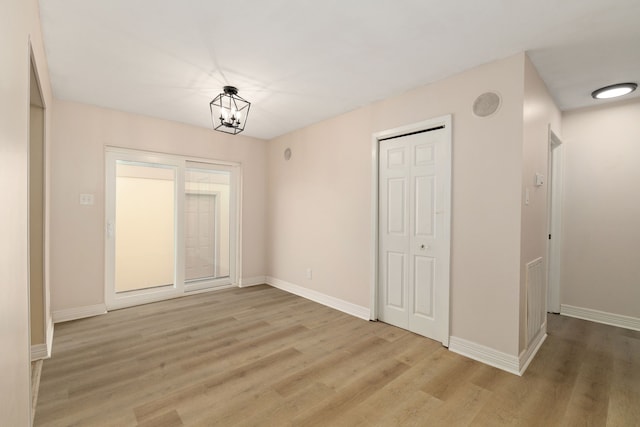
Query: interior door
[[414, 232]]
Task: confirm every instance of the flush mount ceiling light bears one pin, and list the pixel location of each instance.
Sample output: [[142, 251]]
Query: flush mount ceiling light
[[229, 111], [614, 91]]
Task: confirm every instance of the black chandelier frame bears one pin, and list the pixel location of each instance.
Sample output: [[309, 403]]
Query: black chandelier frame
[[229, 111]]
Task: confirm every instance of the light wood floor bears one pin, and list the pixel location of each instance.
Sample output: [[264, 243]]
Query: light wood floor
[[260, 356], [36, 371]]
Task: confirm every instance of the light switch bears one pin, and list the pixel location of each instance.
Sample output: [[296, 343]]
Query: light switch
[[86, 199], [539, 180]]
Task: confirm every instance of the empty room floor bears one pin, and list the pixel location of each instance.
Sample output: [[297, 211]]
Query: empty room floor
[[261, 356]]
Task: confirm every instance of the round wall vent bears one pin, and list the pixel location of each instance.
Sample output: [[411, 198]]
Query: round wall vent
[[486, 104]]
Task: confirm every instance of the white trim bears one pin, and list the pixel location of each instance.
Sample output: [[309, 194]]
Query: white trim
[[140, 298], [252, 281], [68, 314], [39, 351], [598, 316], [49, 337], [527, 356], [373, 255], [554, 220], [486, 355], [336, 303], [151, 298], [203, 291], [136, 151], [165, 297], [43, 351], [238, 193]]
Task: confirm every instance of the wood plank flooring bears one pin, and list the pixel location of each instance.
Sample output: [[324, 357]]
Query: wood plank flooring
[[36, 371], [260, 356]]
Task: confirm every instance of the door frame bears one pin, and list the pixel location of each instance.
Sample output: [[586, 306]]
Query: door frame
[[445, 121], [178, 289], [554, 244], [36, 100]]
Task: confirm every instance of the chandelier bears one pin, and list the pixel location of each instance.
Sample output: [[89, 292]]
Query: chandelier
[[229, 111]]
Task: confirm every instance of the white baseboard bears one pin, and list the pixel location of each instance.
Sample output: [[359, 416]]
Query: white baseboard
[[43, 351], [598, 316], [329, 301], [68, 314], [49, 336], [497, 359], [252, 281], [486, 355], [527, 355]]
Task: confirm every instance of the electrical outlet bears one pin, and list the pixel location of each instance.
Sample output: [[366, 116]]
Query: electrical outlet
[[309, 273]]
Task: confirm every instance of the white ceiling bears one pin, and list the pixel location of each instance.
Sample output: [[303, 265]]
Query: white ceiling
[[301, 61]]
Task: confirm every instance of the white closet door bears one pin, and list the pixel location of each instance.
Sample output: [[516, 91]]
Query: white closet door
[[414, 194]]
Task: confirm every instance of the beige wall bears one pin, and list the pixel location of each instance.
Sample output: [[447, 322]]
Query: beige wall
[[601, 231], [80, 134], [539, 111], [320, 201], [19, 23]]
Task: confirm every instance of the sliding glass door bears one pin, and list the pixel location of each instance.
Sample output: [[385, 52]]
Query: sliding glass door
[[171, 226], [145, 219], [207, 224]]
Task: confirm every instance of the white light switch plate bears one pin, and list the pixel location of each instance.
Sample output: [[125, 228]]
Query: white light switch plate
[[86, 199]]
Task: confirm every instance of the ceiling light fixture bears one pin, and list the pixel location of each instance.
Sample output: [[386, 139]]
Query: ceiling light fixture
[[614, 91], [229, 111]]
